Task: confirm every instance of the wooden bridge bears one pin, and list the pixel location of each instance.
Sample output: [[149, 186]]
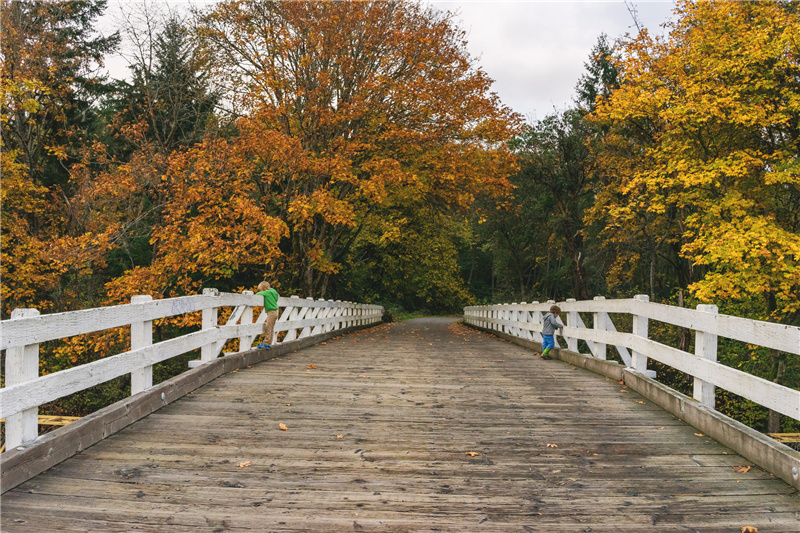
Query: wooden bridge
[[424, 425]]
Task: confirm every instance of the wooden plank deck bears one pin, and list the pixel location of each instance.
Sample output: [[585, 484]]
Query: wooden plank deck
[[378, 439]]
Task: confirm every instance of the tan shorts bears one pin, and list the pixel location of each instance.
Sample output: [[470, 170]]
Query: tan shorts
[[269, 327]]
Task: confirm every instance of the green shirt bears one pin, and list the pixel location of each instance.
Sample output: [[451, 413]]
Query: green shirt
[[270, 299]]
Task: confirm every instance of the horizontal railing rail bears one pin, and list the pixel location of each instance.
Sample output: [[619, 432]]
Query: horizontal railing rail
[[524, 320], [21, 336]]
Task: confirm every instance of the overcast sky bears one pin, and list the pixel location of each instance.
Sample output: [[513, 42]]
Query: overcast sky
[[534, 50]]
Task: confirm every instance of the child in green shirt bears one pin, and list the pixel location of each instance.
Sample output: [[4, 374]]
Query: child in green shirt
[[271, 308]]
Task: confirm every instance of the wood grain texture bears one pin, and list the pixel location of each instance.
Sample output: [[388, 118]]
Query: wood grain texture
[[379, 426]]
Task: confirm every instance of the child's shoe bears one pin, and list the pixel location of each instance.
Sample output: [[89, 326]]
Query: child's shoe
[[264, 346]]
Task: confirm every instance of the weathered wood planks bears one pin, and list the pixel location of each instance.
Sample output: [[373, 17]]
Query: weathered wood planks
[[377, 440]]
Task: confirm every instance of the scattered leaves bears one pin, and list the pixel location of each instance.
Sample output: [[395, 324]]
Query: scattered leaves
[[244, 464], [740, 469], [472, 454], [699, 435], [283, 427], [552, 445], [749, 529], [312, 366], [339, 436]]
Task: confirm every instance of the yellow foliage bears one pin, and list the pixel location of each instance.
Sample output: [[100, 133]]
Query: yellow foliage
[[700, 146]]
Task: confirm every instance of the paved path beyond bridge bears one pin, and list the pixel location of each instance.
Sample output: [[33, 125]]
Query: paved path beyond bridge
[[425, 425]]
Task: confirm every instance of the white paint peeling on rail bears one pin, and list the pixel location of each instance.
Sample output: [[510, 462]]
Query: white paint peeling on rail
[[776, 336]]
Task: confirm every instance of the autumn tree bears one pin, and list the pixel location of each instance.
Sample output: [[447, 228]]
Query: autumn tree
[[348, 106], [701, 153], [51, 62], [49, 82], [723, 131], [165, 107]]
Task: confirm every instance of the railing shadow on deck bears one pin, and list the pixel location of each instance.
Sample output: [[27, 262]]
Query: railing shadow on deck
[[302, 322], [522, 323]]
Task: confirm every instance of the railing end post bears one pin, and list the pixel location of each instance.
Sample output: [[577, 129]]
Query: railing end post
[[22, 364]]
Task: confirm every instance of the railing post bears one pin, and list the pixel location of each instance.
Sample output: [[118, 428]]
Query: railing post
[[523, 317], [537, 319], [572, 322], [705, 346], [599, 320], [338, 324], [22, 364], [141, 336], [246, 341], [208, 352], [291, 312], [639, 360]]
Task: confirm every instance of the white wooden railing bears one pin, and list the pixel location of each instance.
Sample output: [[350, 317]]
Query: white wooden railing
[[20, 336], [525, 321]]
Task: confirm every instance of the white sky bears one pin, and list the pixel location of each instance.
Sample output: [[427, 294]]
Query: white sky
[[534, 50]]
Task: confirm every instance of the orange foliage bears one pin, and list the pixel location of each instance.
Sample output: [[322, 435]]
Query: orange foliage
[[354, 106]]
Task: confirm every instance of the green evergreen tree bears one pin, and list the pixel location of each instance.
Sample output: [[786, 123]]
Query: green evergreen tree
[[601, 76]]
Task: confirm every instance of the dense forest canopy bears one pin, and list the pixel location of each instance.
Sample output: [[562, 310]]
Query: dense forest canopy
[[356, 151]]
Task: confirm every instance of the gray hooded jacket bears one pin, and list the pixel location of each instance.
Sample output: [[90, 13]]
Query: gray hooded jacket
[[551, 323]]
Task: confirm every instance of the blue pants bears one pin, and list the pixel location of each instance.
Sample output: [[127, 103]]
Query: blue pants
[[548, 342]]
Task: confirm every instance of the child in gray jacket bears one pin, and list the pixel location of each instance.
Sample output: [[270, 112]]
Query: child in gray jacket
[[550, 324]]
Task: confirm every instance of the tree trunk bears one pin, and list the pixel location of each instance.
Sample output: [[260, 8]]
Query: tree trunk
[[685, 335], [778, 370], [652, 277]]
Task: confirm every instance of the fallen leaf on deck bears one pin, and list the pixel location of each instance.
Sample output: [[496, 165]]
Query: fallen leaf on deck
[[282, 426], [362, 376], [640, 402], [246, 463], [749, 529], [552, 445], [312, 366], [339, 436], [621, 382], [472, 454], [699, 435], [740, 469]]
